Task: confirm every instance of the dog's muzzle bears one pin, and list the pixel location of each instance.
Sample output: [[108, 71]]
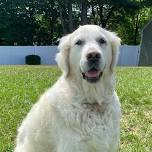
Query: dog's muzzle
[[93, 74]]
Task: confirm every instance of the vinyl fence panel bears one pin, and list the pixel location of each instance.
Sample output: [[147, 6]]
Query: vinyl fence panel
[[128, 56], [15, 55]]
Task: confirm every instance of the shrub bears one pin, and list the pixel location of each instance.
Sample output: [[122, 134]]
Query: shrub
[[33, 60]]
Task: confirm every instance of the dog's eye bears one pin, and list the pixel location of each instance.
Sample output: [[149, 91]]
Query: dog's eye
[[79, 42], [101, 41]]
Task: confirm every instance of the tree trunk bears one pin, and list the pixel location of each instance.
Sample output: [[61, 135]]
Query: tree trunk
[[70, 16], [136, 29], [83, 12], [62, 19], [100, 11], [104, 18], [94, 15], [104, 24]]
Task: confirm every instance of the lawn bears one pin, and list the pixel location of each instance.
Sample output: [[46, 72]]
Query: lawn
[[22, 85]]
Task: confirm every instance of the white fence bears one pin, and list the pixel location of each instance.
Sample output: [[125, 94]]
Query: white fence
[[129, 55], [10, 55], [15, 55]]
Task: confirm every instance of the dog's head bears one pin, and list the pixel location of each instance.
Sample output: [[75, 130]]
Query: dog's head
[[88, 52]]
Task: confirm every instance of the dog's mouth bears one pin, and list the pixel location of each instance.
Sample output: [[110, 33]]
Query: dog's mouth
[[93, 75]]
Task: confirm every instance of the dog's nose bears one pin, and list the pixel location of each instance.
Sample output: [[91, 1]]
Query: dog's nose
[[93, 56]]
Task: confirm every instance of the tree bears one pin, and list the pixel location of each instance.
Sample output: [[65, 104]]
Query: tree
[[132, 24], [84, 4], [27, 22], [43, 22], [65, 9]]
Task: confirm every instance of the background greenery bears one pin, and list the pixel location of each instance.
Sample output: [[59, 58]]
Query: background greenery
[[21, 86], [42, 22]]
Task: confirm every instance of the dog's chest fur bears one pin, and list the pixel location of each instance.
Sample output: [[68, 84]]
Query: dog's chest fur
[[93, 124]]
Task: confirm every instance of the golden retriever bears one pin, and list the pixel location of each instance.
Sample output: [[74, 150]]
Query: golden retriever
[[81, 112]]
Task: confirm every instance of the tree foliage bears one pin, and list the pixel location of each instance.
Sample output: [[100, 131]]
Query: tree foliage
[[42, 22]]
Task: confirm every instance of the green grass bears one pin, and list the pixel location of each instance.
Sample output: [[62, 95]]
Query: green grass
[[20, 87], [134, 87]]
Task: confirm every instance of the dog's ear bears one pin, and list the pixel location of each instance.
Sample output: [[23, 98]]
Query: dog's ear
[[115, 43], [62, 57]]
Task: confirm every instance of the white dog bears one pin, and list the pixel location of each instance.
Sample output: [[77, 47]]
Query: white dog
[[81, 112]]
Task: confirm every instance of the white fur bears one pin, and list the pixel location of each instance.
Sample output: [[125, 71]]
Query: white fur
[[75, 115]]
